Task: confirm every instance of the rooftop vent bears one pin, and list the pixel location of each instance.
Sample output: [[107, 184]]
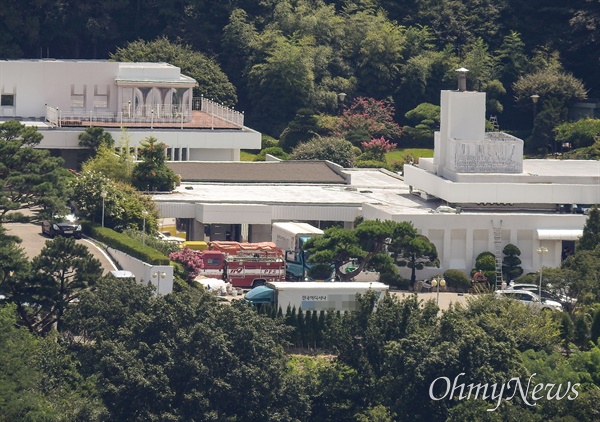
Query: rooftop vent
[[462, 79]]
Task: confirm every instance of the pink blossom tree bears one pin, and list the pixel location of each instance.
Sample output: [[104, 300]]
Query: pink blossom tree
[[190, 260], [376, 149]]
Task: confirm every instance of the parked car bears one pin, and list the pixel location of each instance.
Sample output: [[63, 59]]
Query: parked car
[[530, 299], [166, 236], [65, 226], [567, 302]]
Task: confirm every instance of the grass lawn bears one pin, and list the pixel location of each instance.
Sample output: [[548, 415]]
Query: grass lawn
[[394, 156], [247, 156], [399, 154]]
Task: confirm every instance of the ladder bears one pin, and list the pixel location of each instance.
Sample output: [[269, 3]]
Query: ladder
[[498, 252], [494, 122]]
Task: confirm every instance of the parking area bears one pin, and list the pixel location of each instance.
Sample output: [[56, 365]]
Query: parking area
[[33, 241]]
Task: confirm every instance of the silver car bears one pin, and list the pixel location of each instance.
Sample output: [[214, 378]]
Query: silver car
[[530, 299]]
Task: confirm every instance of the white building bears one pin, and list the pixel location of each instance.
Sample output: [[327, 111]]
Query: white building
[[477, 194], [63, 97]]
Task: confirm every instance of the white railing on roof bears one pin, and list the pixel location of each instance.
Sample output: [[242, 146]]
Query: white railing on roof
[[159, 113], [214, 109]]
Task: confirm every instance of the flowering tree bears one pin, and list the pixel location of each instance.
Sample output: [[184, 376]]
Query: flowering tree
[[376, 149], [189, 259], [368, 118]]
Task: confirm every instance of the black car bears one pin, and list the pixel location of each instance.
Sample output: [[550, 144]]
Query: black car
[[68, 226]]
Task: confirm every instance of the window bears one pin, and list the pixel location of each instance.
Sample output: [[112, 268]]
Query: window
[[7, 100]]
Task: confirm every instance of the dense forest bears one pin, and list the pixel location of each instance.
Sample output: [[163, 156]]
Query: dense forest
[[283, 56]]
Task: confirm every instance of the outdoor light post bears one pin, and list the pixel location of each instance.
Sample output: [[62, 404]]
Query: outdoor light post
[[541, 251], [437, 282], [341, 98], [103, 195], [144, 215], [534, 99], [158, 275]]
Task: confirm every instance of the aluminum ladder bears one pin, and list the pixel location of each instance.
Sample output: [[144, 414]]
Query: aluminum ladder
[[498, 252]]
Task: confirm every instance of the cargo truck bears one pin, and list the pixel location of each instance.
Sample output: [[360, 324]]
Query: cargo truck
[[311, 296], [290, 237]]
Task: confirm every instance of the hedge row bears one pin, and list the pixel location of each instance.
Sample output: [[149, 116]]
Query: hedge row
[[125, 244]]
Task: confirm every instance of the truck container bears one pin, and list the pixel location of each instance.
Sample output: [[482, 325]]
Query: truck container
[[291, 237], [312, 296]]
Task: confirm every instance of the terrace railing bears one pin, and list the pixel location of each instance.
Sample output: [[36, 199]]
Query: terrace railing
[[218, 110]]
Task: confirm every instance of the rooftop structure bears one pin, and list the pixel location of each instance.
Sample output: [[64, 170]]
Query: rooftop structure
[[63, 97]]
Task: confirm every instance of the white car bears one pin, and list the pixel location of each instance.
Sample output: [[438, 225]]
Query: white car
[[529, 298], [166, 236], [566, 301]]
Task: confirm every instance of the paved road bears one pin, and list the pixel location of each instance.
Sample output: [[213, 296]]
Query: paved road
[[445, 298], [34, 241]]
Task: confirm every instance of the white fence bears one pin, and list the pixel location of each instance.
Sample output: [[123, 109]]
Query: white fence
[[158, 113]]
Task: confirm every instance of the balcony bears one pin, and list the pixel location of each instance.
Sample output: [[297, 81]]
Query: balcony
[[205, 114]]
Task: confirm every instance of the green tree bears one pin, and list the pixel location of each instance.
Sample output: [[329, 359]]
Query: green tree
[[486, 262], [581, 133], [212, 82], [590, 238], [302, 129], [282, 83], [94, 137], [19, 376], [29, 176], [61, 271], [424, 120], [365, 245], [511, 264], [511, 57], [185, 357], [123, 205], [414, 251], [151, 174], [337, 150], [110, 165]]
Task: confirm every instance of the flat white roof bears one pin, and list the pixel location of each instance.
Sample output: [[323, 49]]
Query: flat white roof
[[371, 186]]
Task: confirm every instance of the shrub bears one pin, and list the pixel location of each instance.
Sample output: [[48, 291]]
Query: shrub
[[125, 244], [457, 280], [376, 148], [394, 280], [337, 150], [268, 142], [370, 164], [274, 151]]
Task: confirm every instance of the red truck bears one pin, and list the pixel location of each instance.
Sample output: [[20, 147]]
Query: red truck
[[245, 267]]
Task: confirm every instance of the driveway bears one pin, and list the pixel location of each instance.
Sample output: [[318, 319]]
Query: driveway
[[33, 241], [445, 298]]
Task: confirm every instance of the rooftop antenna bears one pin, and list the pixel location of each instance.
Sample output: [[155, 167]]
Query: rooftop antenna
[[462, 79]]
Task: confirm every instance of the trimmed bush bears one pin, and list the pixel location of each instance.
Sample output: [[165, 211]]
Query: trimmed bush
[[125, 244], [457, 281], [394, 280]]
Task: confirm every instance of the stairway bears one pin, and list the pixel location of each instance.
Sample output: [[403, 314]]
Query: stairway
[[498, 252]]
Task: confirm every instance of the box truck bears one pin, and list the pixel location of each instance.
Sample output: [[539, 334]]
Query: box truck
[[290, 237], [311, 296]]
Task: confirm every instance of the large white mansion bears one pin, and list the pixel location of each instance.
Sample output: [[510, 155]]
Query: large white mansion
[[63, 97], [477, 194]]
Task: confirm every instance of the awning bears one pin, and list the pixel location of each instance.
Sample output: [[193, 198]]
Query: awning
[[559, 234]]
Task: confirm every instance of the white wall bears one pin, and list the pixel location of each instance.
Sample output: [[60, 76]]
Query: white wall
[[498, 192], [459, 238], [146, 273]]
